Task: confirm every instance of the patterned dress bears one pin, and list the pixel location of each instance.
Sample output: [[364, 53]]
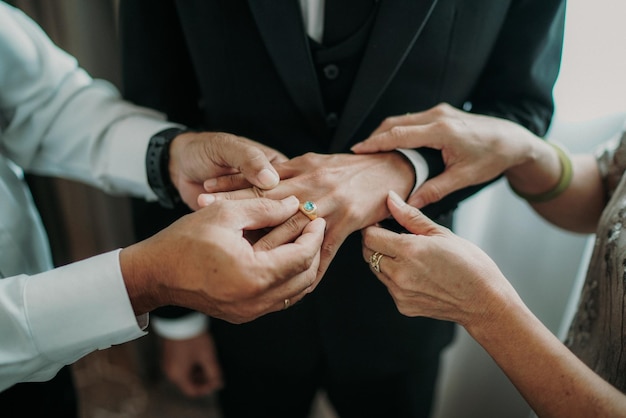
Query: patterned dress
[[597, 334]]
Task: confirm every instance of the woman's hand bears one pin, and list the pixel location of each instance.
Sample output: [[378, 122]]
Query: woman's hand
[[475, 148], [433, 272]]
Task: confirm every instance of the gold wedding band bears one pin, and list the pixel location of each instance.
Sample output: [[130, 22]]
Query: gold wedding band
[[287, 303], [309, 209], [375, 261]]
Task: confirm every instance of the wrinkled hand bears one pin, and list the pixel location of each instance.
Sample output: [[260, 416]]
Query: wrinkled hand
[[192, 365], [203, 262], [349, 191], [475, 148], [197, 157], [433, 273]]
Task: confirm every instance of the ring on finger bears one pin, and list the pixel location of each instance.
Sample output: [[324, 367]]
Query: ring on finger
[[309, 208], [375, 261]]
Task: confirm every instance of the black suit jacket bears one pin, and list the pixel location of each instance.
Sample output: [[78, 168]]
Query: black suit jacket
[[244, 66]]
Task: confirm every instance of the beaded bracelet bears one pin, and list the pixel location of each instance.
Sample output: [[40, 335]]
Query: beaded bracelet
[[564, 180]]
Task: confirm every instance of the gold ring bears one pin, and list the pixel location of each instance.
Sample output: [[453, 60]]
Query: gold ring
[[375, 261], [287, 303], [309, 209]]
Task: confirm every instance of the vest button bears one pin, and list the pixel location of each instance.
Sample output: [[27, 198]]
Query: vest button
[[331, 71], [332, 119]]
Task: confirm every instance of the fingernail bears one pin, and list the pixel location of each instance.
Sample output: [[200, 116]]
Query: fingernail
[[292, 198], [210, 183], [268, 178], [395, 198], [356, 146], [205, 199]]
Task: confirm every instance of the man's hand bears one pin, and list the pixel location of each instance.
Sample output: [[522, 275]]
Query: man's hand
[[192, 364], [203, 262], [197, 157], [349, 192]]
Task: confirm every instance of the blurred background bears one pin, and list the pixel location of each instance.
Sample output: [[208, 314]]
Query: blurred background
[[542, 262]]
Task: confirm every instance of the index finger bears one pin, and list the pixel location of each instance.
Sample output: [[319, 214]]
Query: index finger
[[251, 161], [252, 214], [379, 239], [410, 136], [292, 259]]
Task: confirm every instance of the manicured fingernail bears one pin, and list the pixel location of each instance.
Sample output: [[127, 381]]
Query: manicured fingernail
[[205, 199], [268, 178], [356, 146], [396, 199]]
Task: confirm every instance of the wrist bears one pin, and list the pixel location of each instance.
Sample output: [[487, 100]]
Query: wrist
[[544, 176], [403, 178], [136, 277], [158, 167]]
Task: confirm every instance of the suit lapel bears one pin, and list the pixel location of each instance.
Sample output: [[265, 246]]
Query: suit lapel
[[397, 26], [281, 27]]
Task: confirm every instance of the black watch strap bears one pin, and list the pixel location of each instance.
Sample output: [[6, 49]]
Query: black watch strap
[[157, 167]]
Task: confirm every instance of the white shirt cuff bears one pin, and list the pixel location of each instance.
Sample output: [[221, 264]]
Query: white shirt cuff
[[419, 164], [182, 328], [80, 307]]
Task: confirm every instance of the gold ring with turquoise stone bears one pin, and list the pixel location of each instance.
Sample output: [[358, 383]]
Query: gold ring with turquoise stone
[[309, 209]]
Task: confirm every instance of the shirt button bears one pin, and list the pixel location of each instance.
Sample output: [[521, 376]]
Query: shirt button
[[331, 71], [332, 119]]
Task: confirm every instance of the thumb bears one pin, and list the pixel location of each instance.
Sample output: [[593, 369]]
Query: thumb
[[256, 167], [409, 217], [435, 189]]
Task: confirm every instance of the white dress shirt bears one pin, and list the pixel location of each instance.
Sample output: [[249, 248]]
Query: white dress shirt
[[56, 120]]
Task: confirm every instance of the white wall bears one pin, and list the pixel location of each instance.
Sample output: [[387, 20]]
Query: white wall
[[541, 261]]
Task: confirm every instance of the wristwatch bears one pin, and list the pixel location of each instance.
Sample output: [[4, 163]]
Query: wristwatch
[[157, 167]]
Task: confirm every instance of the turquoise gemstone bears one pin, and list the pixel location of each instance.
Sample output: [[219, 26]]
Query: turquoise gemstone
[[309, 206]]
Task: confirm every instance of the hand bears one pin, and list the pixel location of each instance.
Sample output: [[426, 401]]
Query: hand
[[192, 365], [203, 262], [197, 157], [475, 148], [348, 190], [434, 273]]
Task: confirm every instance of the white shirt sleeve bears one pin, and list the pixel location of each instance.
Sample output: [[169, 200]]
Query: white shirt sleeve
[[54, 318], [183, 328], [56, 120]]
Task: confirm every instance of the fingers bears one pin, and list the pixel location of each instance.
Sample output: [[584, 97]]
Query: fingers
[[251, 162], [418, 118], [437, 188], [400, 136], [411, 218], [226, 183], [262, 213], [299, 255], [295, 266]]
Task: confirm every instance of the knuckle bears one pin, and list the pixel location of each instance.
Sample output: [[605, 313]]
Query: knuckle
[[258, 192], [294, 225], [397, 132]]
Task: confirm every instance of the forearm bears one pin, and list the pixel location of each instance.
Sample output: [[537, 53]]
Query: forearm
[[552, 379]]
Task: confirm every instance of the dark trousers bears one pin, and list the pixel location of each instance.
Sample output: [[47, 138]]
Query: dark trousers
[[54, 398]]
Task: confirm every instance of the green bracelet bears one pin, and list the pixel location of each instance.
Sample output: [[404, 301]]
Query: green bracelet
[[564, 181]]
